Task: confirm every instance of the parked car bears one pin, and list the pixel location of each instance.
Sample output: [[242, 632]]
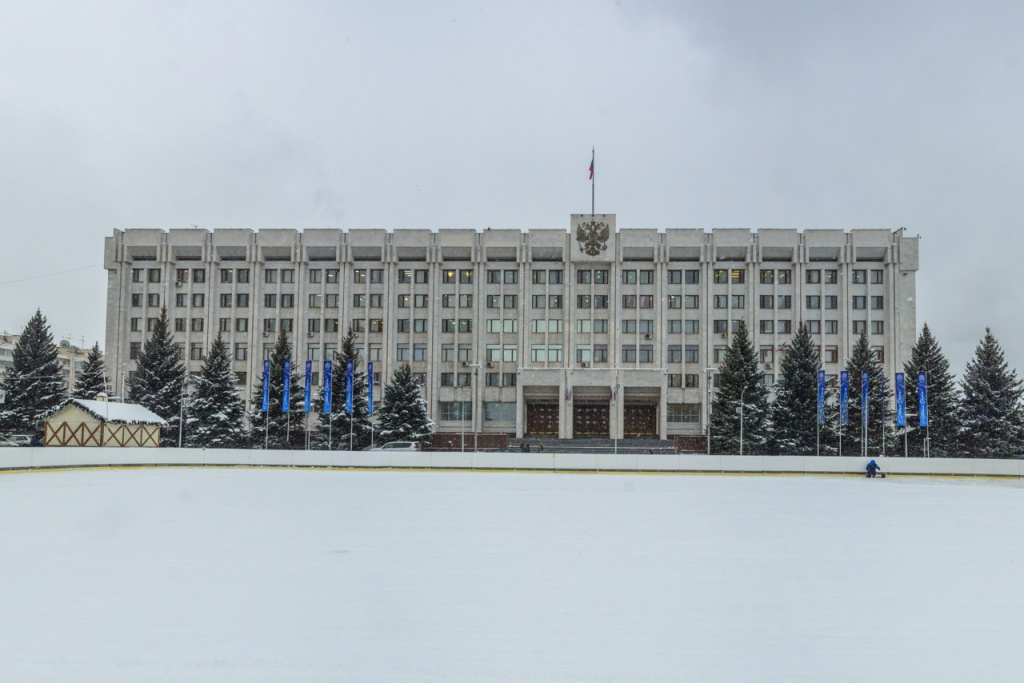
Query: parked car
[[20, 439], [5, 442], [398, 446]]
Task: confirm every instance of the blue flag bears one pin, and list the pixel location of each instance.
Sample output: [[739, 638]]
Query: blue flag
[[287, 387], [309, 385], [266, 386], [348, 387], [901, 401], [844, 397], [369, 385], [922, 398], [821, 397], [864, 398], [327, 386]]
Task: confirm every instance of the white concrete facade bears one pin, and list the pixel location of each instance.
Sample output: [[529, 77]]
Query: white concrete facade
[[592, 330]]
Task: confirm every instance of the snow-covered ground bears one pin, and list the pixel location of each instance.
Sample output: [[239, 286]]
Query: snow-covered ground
[[254, 575]]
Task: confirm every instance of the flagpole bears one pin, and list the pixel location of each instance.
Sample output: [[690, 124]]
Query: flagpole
[[592, 176]]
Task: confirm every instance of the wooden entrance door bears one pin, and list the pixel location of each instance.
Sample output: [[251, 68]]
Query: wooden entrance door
[[640, 420], [590, 419], [542, 418]]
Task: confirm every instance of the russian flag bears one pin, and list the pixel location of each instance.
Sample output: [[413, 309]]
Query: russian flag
[[591, 170]]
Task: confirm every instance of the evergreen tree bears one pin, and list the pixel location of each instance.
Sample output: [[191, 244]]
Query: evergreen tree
[[92, 380], [740, 377], [215, 415], [159, 379], [403, 411], [33, 383], [339, 430], [880, 404], [795, 428], [278, 429], [943, 399], [991, 415]]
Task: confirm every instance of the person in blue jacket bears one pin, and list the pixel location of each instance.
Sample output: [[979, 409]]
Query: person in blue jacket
[[873, 469]]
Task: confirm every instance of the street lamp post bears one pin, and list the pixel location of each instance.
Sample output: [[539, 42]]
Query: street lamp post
[[462, 407], [181, 411], [708, 372], [740, 411]]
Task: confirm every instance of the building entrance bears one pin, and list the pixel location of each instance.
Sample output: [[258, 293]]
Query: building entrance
[[590, 418], [542, 418], [640, 420]]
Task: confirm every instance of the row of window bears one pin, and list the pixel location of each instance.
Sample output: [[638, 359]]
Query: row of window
[[511, 325], [538, 276]]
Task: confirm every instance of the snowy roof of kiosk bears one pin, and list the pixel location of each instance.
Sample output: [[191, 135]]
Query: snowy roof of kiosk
[[116, 413]]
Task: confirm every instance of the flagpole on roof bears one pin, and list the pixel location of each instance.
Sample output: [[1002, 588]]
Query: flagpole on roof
[[592, 158]]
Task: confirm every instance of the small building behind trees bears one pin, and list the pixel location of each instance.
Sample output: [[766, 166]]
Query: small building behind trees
[[80, 422]]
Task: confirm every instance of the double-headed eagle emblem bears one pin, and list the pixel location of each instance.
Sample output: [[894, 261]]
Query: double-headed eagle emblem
[[593, 237]]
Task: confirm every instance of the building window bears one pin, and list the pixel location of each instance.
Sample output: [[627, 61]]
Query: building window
[[583, 301], [720, 326], [629, 353], [831, 354], [154, 275], [766, 301], [359, 276], [877, 327], [738, 301], [134, 348], [555, 300], [691, 301], [629, 327], [813, 326], [600, 300], [538, 301], [314, 300], [181, 275], [813, 301], [646, 277], [629, 277], [198, 300], [241, 351], [675, 301], [137, 300], [196, 352], [721, 301], [860, 326], [447, 301], [419, 300], [646, 301], [767, 276], [225, 300], [876, 277], [331, 325], [269, 325], [600, 353], [154, 299], [332, 276], [455, 411], [785, 326], [879, 353], [242, 301], [692, 381], [137, 274], [601, 277], [583, 277], [877, 303], [675, 380], [287, 275], [241, 324], [691, 326], [675, 353], [721, 276], [313, 325], [287, 301], [859, 302], [831, 327], [831, 301], [692, 277], [419, 352], [860, 277], [738, 276], [287, 325], [270, 275], [831, 277], [767, 326], [813, 277], [270, 300], [465, 300], [376, 276], [784, 301], [688, 413]]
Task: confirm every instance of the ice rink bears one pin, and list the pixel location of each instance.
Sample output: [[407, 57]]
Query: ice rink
[[253, 575]]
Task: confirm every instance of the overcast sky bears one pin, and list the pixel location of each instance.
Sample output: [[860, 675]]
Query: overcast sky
[[781, 114]]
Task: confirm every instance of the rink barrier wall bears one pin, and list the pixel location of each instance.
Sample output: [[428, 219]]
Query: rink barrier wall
[[64, 458]]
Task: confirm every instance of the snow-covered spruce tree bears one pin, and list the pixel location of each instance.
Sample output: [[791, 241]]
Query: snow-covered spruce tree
[[991, 413], [403, 411], [944, 399], [92, 380], [880, 402], [795, 429], [33, 383], [276, 428], [339, 430], [740, 377], [159, 379], [215, 416]]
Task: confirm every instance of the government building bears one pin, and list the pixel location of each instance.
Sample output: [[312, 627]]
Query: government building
[[593, 331]]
